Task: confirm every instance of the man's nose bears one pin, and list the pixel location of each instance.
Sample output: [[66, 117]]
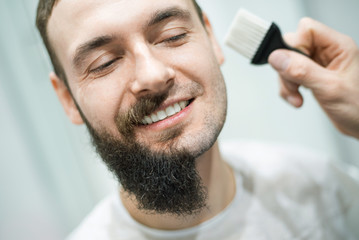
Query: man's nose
[[152, 74]]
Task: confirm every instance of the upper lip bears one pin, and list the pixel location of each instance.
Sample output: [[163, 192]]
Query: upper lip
[[168, 103]]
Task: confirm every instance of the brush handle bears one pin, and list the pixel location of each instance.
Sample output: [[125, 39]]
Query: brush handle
[[271, 42]]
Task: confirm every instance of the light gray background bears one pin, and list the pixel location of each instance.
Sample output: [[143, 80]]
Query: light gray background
[[50, 177]]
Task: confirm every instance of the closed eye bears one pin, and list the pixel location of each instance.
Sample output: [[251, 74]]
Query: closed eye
[[176, 38], [104, 66]]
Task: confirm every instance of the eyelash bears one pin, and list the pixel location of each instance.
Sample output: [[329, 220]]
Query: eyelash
[[176, 38], [109, 63], [104, 66]]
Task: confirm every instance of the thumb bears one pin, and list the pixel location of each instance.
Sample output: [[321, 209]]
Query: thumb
[[299, 69]]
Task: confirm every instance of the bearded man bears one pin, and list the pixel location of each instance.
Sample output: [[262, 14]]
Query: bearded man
[[144, 76]]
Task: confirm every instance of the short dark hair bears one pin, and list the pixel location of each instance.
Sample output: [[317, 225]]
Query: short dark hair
[[44, 11]]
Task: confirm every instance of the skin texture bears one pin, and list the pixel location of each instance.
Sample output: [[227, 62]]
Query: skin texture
[[143, 60], [149, 65], [332, 73]]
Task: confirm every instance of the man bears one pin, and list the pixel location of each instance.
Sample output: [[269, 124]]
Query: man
[[144, 77]]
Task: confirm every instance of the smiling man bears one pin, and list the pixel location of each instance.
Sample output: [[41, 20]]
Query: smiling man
[[132, 77], [144, 76]]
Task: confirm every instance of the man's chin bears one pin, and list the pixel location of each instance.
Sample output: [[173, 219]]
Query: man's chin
[[163, 181], [160, 174]]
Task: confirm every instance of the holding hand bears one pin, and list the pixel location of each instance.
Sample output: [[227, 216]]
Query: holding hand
[[332, 73]]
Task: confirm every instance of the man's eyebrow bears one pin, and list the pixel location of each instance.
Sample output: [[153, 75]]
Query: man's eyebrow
[[159, 16], [84, 49], [166, 13]]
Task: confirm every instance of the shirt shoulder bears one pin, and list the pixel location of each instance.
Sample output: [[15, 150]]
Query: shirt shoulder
[[300, 184], [106, 221], [271, 161], [292, 171]]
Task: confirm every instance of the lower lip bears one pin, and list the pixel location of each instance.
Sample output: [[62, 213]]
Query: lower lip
[[170, 121]]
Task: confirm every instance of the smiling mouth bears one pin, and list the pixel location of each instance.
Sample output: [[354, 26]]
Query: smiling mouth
[[166, 113]]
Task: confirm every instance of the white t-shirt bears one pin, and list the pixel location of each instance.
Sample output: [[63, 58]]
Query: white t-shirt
[[282, 193]]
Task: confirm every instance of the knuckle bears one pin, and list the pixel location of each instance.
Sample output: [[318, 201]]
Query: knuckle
[[298, 70], [306, 22]]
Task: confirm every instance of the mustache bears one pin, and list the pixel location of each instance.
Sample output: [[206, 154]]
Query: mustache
[[143, 107]]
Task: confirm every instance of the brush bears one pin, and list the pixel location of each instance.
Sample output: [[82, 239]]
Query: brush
[[255, 38]]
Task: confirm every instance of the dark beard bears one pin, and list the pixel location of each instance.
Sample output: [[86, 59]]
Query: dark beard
[[164, 182]]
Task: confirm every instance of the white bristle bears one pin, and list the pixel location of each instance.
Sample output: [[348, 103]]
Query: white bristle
[[246, 33]]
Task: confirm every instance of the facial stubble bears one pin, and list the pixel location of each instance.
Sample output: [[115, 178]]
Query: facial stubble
[[165, 182]]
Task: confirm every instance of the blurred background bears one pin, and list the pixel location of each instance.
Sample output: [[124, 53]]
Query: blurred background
[[50, 178]]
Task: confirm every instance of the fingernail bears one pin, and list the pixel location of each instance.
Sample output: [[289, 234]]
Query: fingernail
[[279, 60], [293, 101]]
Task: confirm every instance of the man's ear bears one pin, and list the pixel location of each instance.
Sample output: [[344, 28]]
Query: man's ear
[[66, 99], [216, 47]]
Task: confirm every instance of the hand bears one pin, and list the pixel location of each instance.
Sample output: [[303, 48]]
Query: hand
[[331, 72]]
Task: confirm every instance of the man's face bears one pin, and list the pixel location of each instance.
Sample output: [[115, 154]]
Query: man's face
[[120, 55]]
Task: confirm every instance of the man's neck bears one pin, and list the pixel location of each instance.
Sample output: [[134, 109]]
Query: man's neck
[[219, 181]]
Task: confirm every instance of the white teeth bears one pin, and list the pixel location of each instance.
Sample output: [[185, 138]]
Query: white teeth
[[168, 112], [154, 118], [148, 120], [183, 104], [177, 107], [161, 115]]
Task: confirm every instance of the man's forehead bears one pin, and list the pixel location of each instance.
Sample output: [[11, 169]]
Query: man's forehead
[[74, 12], [75, 20]]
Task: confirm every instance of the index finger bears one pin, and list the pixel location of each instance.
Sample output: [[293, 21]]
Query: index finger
[[319, 41]]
